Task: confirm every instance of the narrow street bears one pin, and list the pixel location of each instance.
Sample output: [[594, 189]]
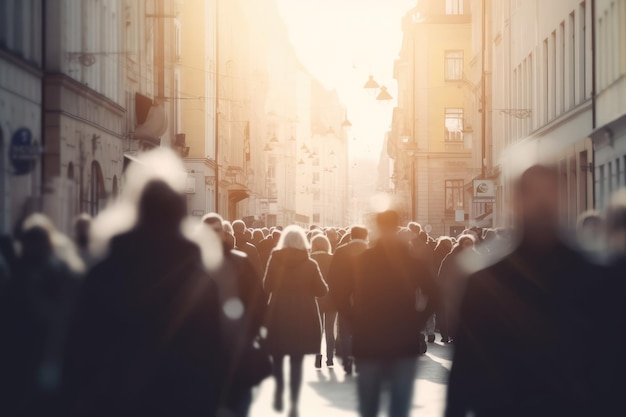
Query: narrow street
[[329, 392]]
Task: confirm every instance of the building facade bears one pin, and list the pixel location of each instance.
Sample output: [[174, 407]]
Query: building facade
[[21, 71], [430, 139]]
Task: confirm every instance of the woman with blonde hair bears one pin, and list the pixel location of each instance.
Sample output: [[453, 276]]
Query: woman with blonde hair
[[293, 281]]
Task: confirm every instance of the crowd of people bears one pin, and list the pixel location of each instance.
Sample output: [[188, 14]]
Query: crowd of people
[[148, 328]]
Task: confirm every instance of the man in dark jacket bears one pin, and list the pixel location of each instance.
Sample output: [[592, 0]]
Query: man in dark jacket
[[242, 243], [381, 302], [145, 331], [519, 348], [338, 279], [238, 285]]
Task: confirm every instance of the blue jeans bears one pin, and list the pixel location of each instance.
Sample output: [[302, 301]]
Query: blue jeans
[[398, 373]]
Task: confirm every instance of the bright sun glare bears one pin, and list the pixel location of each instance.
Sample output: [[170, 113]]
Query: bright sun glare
[[343, 42]]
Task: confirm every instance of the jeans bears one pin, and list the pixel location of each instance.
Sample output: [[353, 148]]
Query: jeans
[[399, 374]]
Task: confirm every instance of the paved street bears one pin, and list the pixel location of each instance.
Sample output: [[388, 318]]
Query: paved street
[[329, 392]]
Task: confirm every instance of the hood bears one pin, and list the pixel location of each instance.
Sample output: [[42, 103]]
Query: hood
[[290, 257]]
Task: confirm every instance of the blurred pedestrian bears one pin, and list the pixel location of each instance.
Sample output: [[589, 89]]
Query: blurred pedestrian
[[35, 309], [145, 335], [381, 302], [242, 310], [82, 229], [293, 281], [242, 243], [321, 253], [518, 348], [340, 275], [267, 246]]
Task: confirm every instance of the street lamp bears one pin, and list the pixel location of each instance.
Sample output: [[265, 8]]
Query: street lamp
[[383, 95], [371, 85]]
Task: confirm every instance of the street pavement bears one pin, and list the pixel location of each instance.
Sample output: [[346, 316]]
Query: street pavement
[[329, 392]]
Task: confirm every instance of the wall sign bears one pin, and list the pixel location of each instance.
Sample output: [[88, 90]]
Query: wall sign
[[484, 189], [23, 152]]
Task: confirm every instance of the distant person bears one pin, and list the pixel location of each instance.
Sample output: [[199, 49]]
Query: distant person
[[267, 246], [321, 253], [82, 230], [452, 278], [340, 276], [381, 302], [238, 285], [518, 347], [293, 281], [145, 337], [35, 309], [242, 243]]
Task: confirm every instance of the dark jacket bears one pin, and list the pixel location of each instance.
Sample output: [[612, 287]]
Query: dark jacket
[[250, 250], [384, 288], [340, 273], [265, 249], [520, 348], [145, 336], [293, 281], [324, 260]]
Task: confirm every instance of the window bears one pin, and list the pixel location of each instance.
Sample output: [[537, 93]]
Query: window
[[454, 125], [454, 195], [454, 6], [453, 65]]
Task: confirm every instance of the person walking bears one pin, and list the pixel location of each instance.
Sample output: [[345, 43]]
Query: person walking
[[519, 346], [339, 276], [320, 253], [242, 244], [293, 281], [238, 285], [145, 334], [381, 302]]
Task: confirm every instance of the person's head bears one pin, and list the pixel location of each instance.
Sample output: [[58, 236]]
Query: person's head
[[293, 237], [313, 227], [276, 234], [266, 232], [405, 235], [228, 227], [590, 224], [387, 223], [35, 239], [444, 244], [247, 235], [415, 227], [466, 242], [489, 235], [358, 233], [215, 222], [332, 235], [422, 237], [239, 227], [257, 235], [537, 201], [82, 226], [161, 208], [320, 243]]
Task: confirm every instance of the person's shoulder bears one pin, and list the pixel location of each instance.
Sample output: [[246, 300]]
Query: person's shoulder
[[238, 254]]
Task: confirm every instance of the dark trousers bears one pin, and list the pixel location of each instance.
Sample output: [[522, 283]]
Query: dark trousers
[[295, 375], [345, 338], [330, 317]]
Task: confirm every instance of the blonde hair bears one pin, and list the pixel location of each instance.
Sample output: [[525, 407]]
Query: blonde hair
[[320, 243], [293, 237]]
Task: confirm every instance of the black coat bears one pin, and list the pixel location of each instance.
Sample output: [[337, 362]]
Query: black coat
[[384, 286], [340, 273], [520, 349], [293, 281], [146, 332], [324, 259]]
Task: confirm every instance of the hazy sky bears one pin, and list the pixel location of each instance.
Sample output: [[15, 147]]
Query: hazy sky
[[341, 42]]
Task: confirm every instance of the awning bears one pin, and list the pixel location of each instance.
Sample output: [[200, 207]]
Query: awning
[[237, 192], [155, 124]]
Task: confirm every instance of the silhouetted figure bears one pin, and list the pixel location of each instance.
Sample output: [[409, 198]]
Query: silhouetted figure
[[35, 309], [519, 350], [320, 253], [145, 337], [266, 247], [339, 280], [381, 302], [238, 286], [82, 227], [294, 281], [242, 243]]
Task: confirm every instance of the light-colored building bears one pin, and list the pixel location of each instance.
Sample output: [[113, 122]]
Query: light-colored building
[[21, 64], [431, 141], [609, 125]]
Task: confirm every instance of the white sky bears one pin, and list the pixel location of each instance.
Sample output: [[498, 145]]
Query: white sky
[[341, 42]]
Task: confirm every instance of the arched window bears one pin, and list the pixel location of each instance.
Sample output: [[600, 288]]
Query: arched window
[[96, 189]]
